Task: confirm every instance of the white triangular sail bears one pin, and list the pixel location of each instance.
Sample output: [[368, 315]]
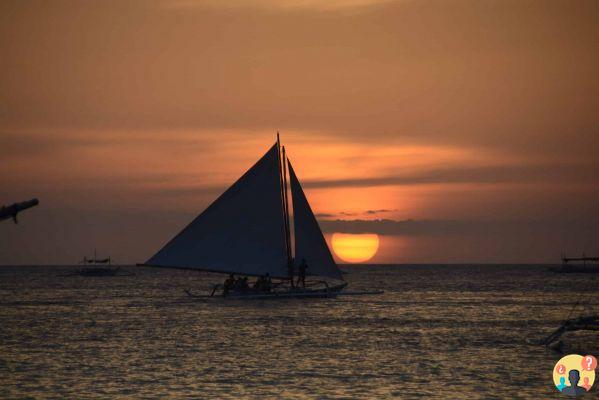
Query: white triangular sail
[[309, 241], [242, 232]]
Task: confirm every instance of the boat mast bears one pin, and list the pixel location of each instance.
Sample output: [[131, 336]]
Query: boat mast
[[287, 219], [283, 181]]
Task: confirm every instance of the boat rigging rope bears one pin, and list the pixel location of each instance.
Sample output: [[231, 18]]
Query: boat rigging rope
[[585, 298]]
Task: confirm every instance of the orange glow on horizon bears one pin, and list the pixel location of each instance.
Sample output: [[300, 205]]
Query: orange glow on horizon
[[355, 248]]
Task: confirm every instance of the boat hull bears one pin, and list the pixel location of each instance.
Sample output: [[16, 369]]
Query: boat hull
[[330, 292], [576, 269], [99, 272], [292, 293]]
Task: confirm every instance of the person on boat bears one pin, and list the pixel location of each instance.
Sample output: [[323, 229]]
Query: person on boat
[[573, 389], [263, 283], [241, 284], [228, 285], [267, 283], [258, 284], [290, 271], [301, 273]]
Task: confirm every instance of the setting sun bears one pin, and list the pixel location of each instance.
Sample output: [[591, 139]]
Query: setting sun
[[355, 248]]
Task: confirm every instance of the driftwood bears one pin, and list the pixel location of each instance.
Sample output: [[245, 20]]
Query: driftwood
[[588, 323]]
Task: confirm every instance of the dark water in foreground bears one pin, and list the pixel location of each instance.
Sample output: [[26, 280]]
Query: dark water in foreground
[[438, 331]]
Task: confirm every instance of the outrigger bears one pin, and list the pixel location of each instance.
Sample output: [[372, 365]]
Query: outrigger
[[281, 291], [247, 232], [583, 323], [584, 264], [98, 267], [278, 291]]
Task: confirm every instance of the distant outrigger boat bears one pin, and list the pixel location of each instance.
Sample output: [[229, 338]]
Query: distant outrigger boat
[[247, 232], [589, 265], [100, 267]]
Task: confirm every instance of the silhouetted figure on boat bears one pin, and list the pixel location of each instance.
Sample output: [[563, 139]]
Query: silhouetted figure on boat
[[257, 286], [574, 390], [301, 273], [267, 286], [290, 273], [242, 284], [238, 285], [263, 284], [228, 285]]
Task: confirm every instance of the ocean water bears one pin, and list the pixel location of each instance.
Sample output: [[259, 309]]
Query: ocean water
[[438, 331]]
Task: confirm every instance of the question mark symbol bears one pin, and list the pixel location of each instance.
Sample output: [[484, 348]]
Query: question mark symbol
[[589, 363], [561, 369]]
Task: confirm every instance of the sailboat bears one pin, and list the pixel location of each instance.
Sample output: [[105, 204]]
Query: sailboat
[[246, 232]]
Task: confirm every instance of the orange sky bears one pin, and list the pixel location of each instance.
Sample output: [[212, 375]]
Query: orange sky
[[471, 126]]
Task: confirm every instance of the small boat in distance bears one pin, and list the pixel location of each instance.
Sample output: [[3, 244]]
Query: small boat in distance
[[582, 264], [246, 232], [99, 267]]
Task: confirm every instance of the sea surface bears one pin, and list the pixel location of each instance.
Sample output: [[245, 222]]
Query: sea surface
[[438, 331]]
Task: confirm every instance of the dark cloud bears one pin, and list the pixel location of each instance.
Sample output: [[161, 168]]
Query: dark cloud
[[498, 174], [40, 142], [393, 227], [553, 173], [372, 212], [324, 215], [208, 191], [353, 214], [444, 228]]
